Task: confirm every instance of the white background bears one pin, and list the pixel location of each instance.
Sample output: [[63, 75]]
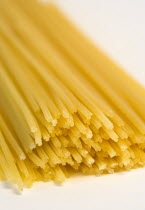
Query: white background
[[118, 26]]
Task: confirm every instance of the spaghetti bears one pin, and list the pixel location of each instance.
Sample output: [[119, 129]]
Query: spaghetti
[[65, 107]]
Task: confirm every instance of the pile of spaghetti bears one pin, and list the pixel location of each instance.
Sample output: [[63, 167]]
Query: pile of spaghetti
[[65, 108]]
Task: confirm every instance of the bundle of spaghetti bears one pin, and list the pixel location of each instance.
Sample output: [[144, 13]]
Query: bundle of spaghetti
[[65, 107]]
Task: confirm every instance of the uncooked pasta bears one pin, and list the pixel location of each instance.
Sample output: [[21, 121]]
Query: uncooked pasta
[[65, 107]]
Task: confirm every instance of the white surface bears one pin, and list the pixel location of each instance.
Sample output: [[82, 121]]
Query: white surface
[[118, 26], [124, 191]]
